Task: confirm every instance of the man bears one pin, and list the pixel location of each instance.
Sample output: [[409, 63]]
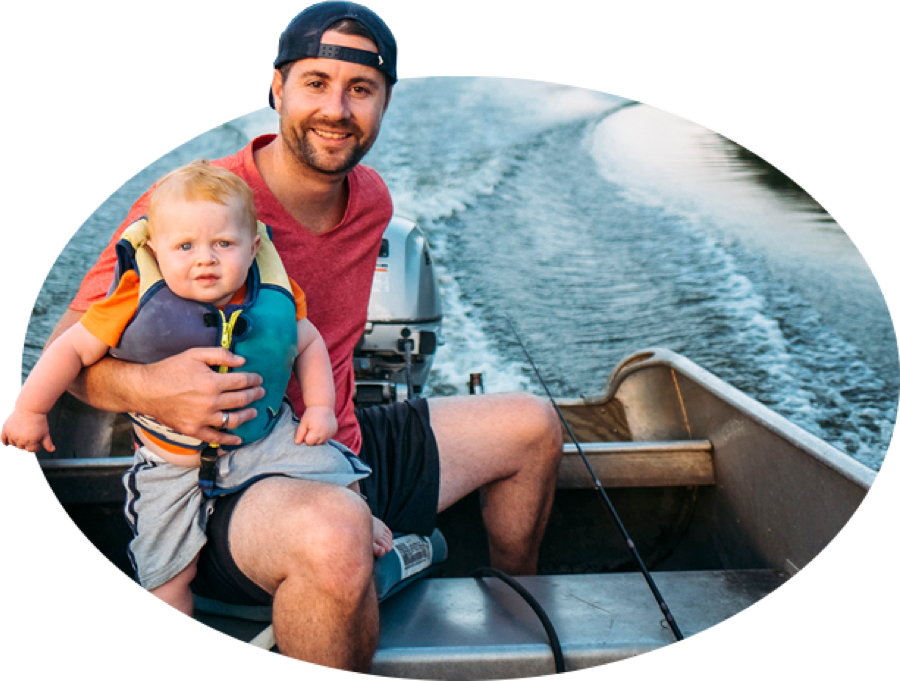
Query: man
[[304, 546]]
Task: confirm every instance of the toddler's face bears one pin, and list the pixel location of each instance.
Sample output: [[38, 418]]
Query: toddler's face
[[203, 252]]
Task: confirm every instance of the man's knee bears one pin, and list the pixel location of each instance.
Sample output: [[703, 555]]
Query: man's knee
[[332, 546], [540, 431], [286, 529]]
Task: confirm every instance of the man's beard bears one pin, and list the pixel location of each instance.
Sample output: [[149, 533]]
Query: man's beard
[[330, 164]]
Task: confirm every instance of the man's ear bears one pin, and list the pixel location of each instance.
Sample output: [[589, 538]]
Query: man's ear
[[277, 87], [387, 99]]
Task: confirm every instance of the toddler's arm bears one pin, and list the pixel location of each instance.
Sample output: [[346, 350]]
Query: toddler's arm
[[64, 358], [313, 369]]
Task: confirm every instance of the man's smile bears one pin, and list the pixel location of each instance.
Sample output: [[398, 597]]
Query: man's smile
[[331, 135]]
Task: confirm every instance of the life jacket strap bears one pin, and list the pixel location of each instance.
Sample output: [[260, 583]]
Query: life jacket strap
[[209, 457]]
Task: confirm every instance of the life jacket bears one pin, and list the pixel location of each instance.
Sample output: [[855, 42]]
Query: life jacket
[[262, 329]]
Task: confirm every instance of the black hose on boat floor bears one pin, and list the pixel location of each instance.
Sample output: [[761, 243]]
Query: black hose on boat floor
[[558, 659]]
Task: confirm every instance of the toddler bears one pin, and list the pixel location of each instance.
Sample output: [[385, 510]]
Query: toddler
[[199, 271]]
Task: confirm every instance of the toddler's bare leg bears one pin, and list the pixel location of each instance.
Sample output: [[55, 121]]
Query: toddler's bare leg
[[177, 591]]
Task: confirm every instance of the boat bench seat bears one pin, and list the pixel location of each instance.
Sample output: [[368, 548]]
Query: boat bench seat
[[675, 463], [463, 628]]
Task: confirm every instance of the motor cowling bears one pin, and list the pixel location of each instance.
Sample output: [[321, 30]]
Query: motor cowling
[[404, 319]]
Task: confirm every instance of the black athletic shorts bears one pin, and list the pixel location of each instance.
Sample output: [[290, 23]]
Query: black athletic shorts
[[398, 444]]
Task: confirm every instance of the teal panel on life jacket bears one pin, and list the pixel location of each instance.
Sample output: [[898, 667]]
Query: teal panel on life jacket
[[270, 349]]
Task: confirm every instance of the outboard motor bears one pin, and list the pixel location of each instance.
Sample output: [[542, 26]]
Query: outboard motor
[[392, 360]]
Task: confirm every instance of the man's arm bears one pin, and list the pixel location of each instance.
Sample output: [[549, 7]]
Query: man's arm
[[183, 392]]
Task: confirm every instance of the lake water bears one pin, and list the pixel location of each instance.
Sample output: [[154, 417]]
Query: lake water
[[602, 226]]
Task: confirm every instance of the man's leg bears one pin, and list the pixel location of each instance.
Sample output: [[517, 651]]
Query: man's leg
[[310, 545], [510, 445]]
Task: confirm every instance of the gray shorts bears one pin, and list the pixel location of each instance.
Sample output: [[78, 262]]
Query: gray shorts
[[168, 513]]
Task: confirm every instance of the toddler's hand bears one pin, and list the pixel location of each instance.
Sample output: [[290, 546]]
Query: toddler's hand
[[317, 426], [27, 430]]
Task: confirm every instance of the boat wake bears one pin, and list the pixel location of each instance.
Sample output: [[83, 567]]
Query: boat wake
[[601, 226]]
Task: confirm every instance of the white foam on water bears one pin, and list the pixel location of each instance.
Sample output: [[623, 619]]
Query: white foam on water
[[547, 102], [464, 174], [454, 195], [256, 123], [640, 152], [755, 330], [467, 348], [665, 161]]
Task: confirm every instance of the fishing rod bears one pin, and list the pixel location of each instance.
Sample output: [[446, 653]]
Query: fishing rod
[[612, 511]]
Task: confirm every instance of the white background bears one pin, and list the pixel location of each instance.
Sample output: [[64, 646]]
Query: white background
[[93, 92]]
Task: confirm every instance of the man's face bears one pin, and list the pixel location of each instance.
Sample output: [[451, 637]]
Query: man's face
[[331, 110]]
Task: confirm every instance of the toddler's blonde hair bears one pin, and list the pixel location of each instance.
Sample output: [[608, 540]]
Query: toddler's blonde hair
[[201, 181]]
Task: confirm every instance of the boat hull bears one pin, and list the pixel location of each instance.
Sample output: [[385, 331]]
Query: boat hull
[[724, 499]]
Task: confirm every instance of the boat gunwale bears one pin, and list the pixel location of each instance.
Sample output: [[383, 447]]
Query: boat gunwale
[[818, 449]]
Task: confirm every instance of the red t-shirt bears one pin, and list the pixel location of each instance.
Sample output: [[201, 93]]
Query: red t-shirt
[[334, 269]]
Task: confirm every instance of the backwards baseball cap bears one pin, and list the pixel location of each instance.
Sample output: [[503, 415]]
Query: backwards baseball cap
[[302, 39]]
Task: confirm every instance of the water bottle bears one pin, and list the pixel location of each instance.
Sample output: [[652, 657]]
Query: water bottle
[[411, 555]]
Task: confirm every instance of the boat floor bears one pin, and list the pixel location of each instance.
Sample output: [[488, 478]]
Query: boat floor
[[462, 628]]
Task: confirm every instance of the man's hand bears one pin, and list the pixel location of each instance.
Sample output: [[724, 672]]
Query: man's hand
[[317, 426], [27, 430], [186, 393]]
